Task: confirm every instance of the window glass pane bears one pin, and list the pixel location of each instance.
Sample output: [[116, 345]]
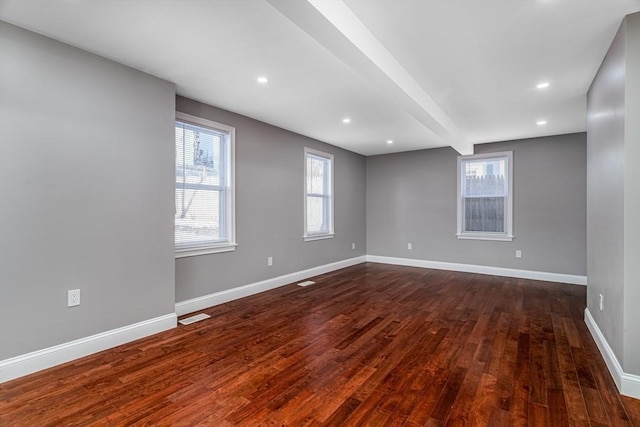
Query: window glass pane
[[485, 204], [198, 155], [203, 195], [318, 189], [316, 171], [484, 214], [316, 214], [179, 153], [484, 178], [198, 216]]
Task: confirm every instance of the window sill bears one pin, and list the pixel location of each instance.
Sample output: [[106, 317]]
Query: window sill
[[183, 253], [312, 237], [497, 238]]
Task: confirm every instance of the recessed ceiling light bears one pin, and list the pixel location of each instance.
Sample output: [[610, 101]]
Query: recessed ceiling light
[[541, 122], [346, 120], [389, 141], [262, 79], [543, 85]]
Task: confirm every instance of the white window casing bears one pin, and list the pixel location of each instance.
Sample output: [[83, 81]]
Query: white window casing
[[318, 195], [485, 196], [205, 187]]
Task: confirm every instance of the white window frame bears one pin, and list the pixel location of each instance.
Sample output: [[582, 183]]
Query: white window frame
[[507, 235], [329, 233], [230, 244]]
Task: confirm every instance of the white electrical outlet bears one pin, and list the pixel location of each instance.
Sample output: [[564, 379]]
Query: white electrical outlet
[[73, 297], [518, 253], [353, 245], [601, 302], [409, 246], [269, 261]]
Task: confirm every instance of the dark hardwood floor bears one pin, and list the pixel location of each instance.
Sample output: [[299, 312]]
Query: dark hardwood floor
[[368, 345]]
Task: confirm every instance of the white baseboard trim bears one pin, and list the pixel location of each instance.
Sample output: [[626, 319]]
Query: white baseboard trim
[[42, 359], [46, 358], [206, 301], [628, 384], [482, 269]]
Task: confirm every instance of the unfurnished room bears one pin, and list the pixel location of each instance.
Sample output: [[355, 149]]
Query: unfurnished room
[[320, 212]]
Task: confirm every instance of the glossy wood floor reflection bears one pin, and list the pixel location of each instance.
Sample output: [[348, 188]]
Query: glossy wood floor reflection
[[368, 345]]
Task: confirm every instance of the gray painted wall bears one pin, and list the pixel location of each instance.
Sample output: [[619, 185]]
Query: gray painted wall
[[86, 184], [632, 197], [269, 208], [411, 198], [613, 182]]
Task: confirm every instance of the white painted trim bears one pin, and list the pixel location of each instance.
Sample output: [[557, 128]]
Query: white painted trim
[[482, 269], [631, 385], [206, 301], [41, 359], [327, 234], [312, 238], [231, 178], [46, 358], [183, 253], [507, 236], [485, 236], [628, 384], [607, 352]]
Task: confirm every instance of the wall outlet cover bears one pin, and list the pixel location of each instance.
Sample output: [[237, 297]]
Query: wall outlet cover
[[73, 297]]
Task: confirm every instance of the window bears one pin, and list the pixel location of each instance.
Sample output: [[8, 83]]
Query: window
[[485, 196], [204, 211], [318, 195]]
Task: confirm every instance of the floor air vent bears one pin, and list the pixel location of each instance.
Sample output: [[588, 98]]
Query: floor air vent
[[194, 319], [306, 283]]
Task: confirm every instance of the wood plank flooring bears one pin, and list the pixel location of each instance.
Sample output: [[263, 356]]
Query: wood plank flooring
[[368, 345]]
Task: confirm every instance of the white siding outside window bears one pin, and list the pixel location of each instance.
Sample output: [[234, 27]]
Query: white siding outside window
[[485, 196], [204, 200], [318, 195]]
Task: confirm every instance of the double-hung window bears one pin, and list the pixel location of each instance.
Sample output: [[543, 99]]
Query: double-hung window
[[318, 195], [204, 202], [485, 196]]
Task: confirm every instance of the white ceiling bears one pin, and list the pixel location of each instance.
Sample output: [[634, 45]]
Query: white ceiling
[[424, 74]]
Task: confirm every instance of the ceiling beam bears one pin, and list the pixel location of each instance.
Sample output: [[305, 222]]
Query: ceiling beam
[[334, 26]]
